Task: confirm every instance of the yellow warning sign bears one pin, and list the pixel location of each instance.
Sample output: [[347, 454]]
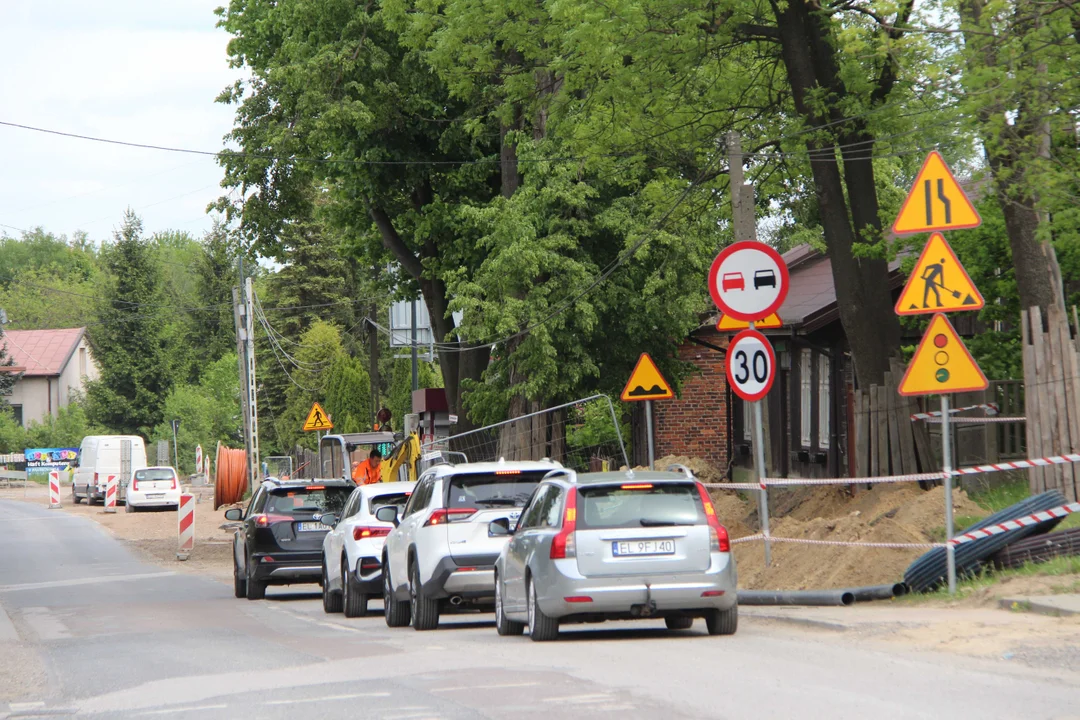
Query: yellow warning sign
[[646, 382], [936, 201], [942, 364], [317, 419], [728, 323], [939, 283]]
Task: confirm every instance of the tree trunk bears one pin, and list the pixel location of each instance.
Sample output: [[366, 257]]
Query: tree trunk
[[862, 284]]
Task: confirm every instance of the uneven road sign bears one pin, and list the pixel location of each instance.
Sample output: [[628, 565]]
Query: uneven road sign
[[748, 281], [750, 365], [646, 382], [938, 283], [935, 202], [728, 323], [317, 419], [942, 363]]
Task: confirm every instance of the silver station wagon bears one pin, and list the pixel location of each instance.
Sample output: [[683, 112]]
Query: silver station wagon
[[615, 546]]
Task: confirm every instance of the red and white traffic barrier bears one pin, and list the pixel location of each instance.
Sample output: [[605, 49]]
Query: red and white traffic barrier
[[54, 489], [838, 543], [1019, 464], [110, 493], [1016, 524], [185, 526], [989, 408], [791, 482]]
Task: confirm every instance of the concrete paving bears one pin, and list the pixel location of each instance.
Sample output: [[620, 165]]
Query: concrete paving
[[99, 633]]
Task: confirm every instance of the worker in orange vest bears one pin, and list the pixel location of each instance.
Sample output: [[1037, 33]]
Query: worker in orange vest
[[368, 472]]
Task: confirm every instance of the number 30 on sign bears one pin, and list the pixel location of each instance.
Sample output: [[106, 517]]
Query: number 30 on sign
[[751, 365]]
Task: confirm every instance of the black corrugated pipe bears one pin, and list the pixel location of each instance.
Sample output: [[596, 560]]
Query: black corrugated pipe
[[878, 592], [796, 597]]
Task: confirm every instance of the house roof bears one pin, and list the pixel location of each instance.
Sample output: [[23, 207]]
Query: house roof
[[42, 352]]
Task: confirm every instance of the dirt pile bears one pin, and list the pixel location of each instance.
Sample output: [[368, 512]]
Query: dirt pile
[[885, 514]]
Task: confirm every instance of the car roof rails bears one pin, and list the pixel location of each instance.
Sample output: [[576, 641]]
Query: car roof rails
[[676, 467], [560, 472]]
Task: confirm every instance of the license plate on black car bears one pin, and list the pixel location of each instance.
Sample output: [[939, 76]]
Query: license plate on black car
[[311, 527], [643, 547]]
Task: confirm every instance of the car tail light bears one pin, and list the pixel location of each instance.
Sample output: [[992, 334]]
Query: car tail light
[[369, 563], [718, 536], [174, 482], [135, 484], [578, 599], [361, 532], [449, 515], [712, 593], [507, 472], [563, 545], [637, 486], [267, 520]]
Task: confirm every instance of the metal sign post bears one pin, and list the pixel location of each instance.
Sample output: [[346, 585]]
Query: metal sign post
[[946, 456], [759, 468], [649, 432]]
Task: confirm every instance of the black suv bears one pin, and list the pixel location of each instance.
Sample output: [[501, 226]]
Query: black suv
[[280, 542]]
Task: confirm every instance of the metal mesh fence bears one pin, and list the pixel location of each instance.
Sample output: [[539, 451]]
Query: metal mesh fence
[[584, 435]]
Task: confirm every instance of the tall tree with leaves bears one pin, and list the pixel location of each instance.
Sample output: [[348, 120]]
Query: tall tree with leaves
[[129, 340]]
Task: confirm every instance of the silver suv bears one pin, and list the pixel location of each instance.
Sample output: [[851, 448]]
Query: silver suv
[[440, 550], [615, 545]]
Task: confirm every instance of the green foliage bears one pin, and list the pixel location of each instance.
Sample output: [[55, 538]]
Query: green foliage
[[208, 412], [130, 341], [591, 425], [347, 392], [400, 394]]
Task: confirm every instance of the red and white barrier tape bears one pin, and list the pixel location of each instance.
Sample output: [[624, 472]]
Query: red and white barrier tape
[[1016, 523], [838, 543], [786, 482], [994, 419], [989, 408], [1019, 464]]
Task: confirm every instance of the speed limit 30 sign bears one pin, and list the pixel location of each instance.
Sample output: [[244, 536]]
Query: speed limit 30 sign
[[751, 365]]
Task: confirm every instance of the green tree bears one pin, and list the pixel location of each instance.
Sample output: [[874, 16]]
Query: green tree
[[347, 393], [66, 429], [130, 339]]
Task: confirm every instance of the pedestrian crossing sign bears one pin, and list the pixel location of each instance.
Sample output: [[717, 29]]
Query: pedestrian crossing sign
[[317, 419], [942, 364], [938, 283], [935, 202]]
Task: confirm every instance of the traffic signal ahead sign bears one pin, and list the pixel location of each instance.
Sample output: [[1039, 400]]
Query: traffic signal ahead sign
[[942, 364]]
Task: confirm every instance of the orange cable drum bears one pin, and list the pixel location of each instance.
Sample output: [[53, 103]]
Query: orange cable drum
[[230, 480]]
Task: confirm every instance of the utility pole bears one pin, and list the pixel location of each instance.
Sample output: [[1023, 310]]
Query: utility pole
[[415, 368], [240, 322], [252, 404]]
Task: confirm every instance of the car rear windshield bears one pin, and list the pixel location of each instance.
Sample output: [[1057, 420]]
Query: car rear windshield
[[306, 502], [396, 499], [154, 474], [489, 490], [635, 505]]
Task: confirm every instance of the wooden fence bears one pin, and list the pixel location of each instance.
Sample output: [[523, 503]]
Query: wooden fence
[[886, 441], [1052, 396]]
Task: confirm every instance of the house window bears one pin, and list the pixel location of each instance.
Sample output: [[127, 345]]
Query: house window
[[82, 362], [747, 420], [17, 411], [824, 404], [805, 396]]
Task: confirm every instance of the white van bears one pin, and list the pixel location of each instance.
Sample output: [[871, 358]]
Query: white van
[[104, 455]]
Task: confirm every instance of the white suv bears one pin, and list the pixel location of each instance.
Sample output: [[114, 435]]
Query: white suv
[[440, 550]]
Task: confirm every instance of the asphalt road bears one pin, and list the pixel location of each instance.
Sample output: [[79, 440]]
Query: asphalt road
[[88, 629]]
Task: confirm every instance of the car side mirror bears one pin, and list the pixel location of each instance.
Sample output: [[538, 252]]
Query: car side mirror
[[387, 513], [499, 528], [234, 514], [329, 519]]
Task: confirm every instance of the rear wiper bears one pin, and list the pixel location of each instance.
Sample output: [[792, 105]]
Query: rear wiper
[[497, 501], [646, 522]]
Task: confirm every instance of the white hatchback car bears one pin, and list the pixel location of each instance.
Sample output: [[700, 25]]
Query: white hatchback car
[[352, 551], [441, 552], [153, 487]]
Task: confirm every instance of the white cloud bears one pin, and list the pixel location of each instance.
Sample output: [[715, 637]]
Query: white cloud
[[131, 70]]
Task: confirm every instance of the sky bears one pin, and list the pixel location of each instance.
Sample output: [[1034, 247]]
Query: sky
[[136, 70]]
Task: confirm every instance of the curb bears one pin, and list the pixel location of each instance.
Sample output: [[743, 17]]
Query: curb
[[800, 621], [1038, 605]]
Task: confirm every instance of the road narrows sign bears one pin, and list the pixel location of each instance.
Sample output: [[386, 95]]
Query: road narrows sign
[[317, 419], [748, 281], [646, 382], [751, 365], [942, 363], [938, 283], [728, 323], [935, 202]]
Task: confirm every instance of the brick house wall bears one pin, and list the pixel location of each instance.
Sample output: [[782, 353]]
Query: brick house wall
[[696, 423]]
